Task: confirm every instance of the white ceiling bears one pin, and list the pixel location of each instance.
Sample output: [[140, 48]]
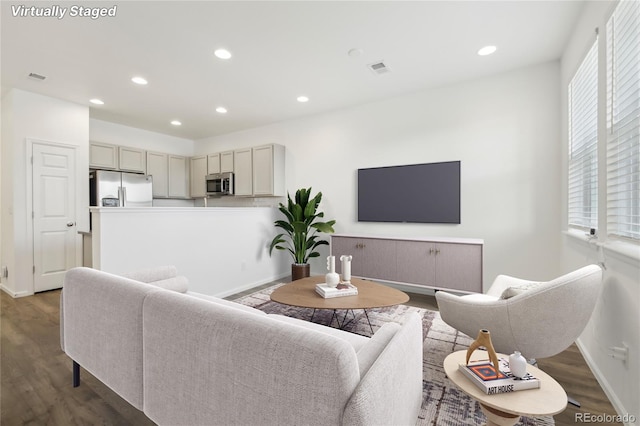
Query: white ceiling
[[280, 51]]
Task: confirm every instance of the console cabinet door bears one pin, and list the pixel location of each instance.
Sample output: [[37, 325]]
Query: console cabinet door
[[348, 246], [416, 262], [372, 258], [459, 267], [379, 258]]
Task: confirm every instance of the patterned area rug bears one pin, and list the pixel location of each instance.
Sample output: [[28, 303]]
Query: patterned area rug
[[442, 403]]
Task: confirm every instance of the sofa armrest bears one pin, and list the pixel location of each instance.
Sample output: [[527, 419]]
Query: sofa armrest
[[391, 390]]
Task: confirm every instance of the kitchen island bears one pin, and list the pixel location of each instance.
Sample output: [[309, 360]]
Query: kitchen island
[[221, 250]]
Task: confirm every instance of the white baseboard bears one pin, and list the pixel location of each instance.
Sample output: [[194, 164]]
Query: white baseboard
[[604, 384], [13, 293], [251, 285]]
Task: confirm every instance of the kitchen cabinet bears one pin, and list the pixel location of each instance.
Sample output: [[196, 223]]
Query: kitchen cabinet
[[103, 156], [243, 171], [442, 263], [158, 167], [226, 162], [213, 163], [178, 176], [268, 170], [131, 159], [198, 171]]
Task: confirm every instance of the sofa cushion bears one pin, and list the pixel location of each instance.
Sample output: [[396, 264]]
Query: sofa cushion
[[152, 274], [356, 340], [510, 292], [368, 353], [179, 284]]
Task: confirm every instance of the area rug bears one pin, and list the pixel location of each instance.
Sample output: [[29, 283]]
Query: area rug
[[442, 402]]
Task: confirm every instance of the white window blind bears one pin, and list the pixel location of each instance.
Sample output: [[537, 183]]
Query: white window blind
[[623, 121], [583, 139]]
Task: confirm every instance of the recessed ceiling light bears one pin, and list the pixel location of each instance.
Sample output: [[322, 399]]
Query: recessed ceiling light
[[222, 53], [487, 50], [96, 101], [176, 123], [139, 80], [221, 110], [355, 52], [303, 99]]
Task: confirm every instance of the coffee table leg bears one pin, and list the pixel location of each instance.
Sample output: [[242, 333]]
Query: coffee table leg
[[367, 315], [498, 418]]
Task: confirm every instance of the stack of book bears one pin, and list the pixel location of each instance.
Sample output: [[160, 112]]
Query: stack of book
[[483, 375], [342, 289]]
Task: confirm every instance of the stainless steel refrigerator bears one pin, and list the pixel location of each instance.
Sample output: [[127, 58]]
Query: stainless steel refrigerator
[[119, 189]]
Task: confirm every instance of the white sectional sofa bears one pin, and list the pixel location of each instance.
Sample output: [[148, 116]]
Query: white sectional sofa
[[191, 359]]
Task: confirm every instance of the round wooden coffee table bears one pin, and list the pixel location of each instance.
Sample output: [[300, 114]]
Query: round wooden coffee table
[[302, 293], [506, 408]]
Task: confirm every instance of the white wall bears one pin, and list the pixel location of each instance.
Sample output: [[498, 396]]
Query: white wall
[[615, 319], [118, 134], [27, 116], [220, 250], [506, 131]]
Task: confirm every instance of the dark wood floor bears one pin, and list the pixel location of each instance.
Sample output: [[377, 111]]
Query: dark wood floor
[[36, 375]]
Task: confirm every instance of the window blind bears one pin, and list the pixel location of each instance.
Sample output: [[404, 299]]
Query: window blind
[[623, 121], [583, 138]]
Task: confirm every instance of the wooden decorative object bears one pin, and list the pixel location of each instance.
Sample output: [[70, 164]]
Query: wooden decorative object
[[484, 339]]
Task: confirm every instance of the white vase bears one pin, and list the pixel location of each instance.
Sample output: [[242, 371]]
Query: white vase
[[346, 267], [332, 278], [517, 364]]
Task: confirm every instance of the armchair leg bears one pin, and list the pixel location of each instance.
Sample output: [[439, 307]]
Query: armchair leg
[[76, 374]]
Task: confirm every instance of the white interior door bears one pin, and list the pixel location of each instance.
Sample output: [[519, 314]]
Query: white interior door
[[54, 218]]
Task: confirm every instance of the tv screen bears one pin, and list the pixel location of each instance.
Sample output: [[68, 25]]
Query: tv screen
[[419, 193]]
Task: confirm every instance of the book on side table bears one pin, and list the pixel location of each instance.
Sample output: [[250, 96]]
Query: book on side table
[[342, 289], [482, 374]]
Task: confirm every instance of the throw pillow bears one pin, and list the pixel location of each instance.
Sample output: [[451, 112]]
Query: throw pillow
[[509, 292], [179, 284]]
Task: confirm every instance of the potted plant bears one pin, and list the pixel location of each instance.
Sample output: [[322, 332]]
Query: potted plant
[[301, 227]]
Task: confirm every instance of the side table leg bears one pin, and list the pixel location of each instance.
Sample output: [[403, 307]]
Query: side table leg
[[499, 418]]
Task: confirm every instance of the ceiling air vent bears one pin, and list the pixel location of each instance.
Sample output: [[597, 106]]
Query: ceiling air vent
[[379, 68], [35, 76]]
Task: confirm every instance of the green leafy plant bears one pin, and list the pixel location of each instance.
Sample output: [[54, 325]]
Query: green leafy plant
[[301, 227]]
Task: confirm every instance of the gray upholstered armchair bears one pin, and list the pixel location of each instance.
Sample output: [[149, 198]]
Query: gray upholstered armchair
[[539, 319]]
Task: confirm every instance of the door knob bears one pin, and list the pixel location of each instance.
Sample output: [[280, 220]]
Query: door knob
[[70, 224]]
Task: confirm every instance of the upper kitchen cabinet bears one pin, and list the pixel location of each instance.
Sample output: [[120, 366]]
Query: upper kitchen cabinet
[[268, 170], [103, 156], [243, 172], [131, 159], [178, 176], [158, 167], [226, 162], [213, 163], [198, 172]]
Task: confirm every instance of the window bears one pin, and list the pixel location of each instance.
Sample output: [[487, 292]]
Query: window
[[623, 121], [583, 143]]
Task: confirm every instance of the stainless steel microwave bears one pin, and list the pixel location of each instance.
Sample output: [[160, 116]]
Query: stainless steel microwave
[[220, 184]]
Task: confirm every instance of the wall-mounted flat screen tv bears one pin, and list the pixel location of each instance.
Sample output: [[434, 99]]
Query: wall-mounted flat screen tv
[[418, 193]]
